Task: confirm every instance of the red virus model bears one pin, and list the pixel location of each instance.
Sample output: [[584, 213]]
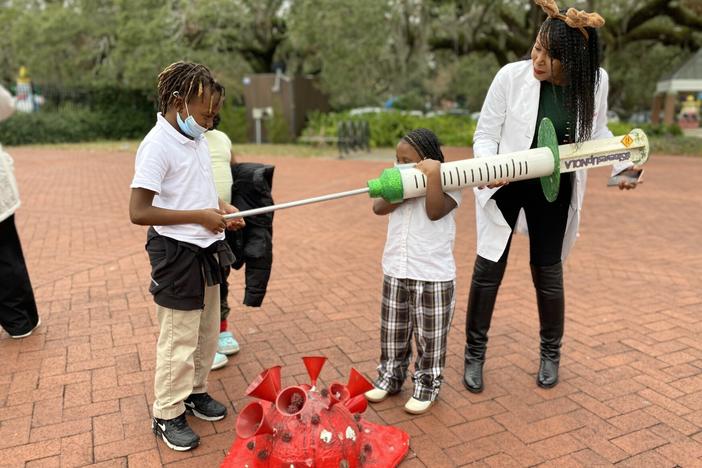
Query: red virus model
[[301, 426]]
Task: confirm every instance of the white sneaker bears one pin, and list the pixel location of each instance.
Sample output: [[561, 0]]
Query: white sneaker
[[220, 360], [376, 395], [414, 406]]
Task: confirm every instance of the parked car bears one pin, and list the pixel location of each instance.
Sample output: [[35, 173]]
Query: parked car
[[640, 117]]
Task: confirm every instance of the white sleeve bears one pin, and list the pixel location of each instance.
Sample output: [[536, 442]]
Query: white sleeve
[[7, 104], [150, 168], [488, 133]]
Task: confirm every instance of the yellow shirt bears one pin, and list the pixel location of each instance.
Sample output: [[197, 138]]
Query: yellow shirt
[[220, 156]]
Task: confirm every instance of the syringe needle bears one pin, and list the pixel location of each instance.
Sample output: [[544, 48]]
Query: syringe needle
[[306, 201]]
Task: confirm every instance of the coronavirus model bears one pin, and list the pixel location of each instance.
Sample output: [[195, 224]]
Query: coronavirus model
[[305, 426]]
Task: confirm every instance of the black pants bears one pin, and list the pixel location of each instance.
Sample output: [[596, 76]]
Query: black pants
[[18, 311], [546, 220]]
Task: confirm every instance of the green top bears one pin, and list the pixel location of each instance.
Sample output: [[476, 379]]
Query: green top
[[552, 105]]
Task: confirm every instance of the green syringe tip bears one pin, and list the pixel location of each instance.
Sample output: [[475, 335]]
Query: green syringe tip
[[375, 188], [388, 186]]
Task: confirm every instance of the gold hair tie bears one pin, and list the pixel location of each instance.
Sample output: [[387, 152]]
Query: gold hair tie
[[577, 19]]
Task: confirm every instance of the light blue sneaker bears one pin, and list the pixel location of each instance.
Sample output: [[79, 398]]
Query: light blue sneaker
[[220, 360], [227, 344]]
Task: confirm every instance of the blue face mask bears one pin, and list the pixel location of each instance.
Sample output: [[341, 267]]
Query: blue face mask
[[190, 127]]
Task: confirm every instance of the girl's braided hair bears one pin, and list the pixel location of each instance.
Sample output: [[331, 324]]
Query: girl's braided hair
[[425, 143], [185, 79]]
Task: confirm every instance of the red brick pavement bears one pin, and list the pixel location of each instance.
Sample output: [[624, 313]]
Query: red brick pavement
[[78, 391]]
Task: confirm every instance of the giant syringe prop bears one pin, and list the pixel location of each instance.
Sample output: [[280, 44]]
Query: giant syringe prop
[[546, 162]]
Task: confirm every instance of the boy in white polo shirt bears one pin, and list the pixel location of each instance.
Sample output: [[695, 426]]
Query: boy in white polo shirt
[[419, 279], [173, 191]]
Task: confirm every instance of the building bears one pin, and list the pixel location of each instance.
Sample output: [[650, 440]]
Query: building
[[675, 88], [277, 105]]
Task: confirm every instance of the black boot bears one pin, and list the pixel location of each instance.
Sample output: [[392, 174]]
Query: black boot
[[487, 276], [548, 281]]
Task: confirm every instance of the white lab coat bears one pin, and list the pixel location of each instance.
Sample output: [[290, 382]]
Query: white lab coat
[[9, 196], [507, 124]]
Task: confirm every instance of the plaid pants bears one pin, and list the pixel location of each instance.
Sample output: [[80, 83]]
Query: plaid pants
[[422, 307]]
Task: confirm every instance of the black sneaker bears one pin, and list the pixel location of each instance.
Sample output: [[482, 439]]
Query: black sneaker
[[204, 407], [175, 433]]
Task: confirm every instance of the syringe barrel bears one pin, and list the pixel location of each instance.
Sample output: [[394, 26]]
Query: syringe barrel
[[632, 147], [457, 175]]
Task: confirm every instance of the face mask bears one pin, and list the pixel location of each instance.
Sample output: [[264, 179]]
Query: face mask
[[190, 127]]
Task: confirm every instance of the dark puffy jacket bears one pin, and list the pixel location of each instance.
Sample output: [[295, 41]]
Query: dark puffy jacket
[[253, 245]]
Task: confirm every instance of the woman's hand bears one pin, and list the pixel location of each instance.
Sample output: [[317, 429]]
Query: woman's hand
[[628, 185]]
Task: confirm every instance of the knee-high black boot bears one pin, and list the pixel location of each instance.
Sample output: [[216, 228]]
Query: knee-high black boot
[[487, 276], [548, 281]]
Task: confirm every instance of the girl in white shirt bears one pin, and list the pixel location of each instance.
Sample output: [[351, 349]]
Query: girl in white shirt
[[419, 279]]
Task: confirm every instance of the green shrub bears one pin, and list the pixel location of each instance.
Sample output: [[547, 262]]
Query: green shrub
[[674, 130], [74, 124], [672, 145], [387, 128], [277, 128], [620, 128], [234, 123], [660, 130]]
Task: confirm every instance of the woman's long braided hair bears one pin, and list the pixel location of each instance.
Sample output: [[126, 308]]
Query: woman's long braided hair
[[580, 61], [185, 79], [425, 143]]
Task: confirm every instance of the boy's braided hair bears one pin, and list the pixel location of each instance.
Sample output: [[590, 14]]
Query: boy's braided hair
[[185, 79], [425, 143]]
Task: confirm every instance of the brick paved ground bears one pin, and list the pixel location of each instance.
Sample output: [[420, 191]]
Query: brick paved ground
[[79, 390]]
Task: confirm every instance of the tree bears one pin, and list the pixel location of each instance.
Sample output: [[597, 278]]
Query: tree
[[364, 51], [641, 39]]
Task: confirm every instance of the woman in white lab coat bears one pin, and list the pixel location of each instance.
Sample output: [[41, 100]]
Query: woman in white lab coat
[[564, 82]]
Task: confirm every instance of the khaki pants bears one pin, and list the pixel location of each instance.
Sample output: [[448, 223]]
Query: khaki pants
[[186, 347]]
